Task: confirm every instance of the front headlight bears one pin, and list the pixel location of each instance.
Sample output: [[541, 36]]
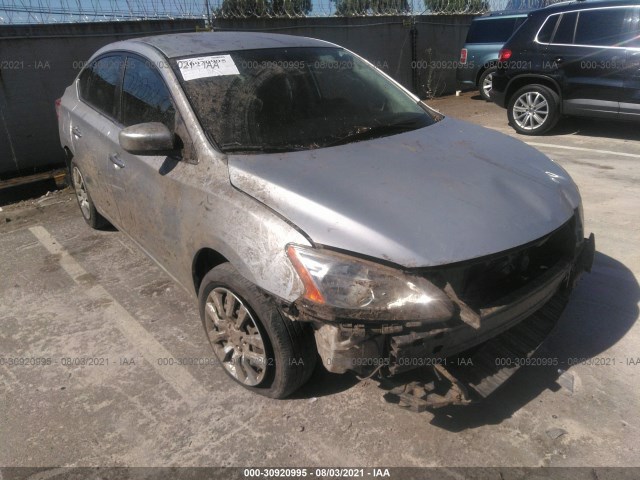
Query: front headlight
[[365, 290]]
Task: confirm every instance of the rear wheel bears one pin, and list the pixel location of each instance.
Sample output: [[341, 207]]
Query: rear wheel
[[256, 346], [533, 110], [485, 83], [87, 207]]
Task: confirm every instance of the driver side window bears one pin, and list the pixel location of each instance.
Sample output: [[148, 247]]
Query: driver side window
[[145, 97]]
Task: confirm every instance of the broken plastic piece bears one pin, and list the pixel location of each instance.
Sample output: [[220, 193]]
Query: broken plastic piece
[[420, 396], [556, 433]]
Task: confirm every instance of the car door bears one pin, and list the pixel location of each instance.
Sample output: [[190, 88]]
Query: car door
[[151, 186], [585, 57], [94, 128], [630, 101]]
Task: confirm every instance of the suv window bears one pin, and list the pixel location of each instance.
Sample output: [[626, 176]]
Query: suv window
[[546, 32], [601, 27], [566, 28], [495, 30], [633, 38], [99, 82], [145, 97]]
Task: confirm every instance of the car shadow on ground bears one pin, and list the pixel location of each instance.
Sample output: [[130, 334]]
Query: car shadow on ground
[[602, 309], [323, 383]]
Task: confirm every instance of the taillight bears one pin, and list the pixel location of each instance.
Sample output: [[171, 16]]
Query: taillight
[[504, 55], [463, 56], [58, 101]]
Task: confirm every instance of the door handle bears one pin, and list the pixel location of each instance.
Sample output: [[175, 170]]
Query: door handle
[[115, 159], [76, 132]]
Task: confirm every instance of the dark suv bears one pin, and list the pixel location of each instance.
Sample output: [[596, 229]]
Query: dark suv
[[571, 59]]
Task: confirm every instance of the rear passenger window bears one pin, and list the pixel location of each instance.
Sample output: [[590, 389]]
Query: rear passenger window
[[493, 30], [145, 97], [601, 27], [566, 28], [632, 35], [99, 82], [519, 21], [544, 36]]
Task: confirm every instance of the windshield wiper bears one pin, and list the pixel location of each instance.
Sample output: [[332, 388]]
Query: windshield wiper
[[237, 147], [363, 133]]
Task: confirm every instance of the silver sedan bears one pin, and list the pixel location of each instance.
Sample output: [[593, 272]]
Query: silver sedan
[[315, 206]]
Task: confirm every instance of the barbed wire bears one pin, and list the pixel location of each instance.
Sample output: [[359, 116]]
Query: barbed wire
[[15, 12]]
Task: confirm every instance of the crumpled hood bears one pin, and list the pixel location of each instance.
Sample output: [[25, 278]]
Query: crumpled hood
[[449, 192]]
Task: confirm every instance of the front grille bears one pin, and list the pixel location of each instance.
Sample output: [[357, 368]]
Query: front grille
[[482, 282]]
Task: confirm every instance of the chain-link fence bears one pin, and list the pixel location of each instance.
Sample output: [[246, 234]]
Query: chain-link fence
[[70, 11]]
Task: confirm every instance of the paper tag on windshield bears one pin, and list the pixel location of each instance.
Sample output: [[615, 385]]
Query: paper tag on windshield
[[202, 67]]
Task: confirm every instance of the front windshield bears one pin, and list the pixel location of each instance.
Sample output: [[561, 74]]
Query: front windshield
[[294, 99]]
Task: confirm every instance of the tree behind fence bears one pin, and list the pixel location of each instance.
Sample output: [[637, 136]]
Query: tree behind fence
[[72, 11]]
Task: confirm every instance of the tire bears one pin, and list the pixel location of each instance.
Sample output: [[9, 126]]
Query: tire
[[485, 83], [287, 357], [533, 110], [87, 207]]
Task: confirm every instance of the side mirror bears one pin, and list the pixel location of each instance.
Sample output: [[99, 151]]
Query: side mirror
[[147, 139]]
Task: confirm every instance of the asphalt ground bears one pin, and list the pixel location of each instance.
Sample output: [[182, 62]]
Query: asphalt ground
[[117, 385]]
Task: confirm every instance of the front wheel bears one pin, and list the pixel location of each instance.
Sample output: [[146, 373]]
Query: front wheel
[[533, 110], [256, 346]]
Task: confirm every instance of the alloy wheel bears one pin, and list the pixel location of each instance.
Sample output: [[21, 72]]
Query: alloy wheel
[[81, 193], [235, 337], [530, 110], [487, 85]]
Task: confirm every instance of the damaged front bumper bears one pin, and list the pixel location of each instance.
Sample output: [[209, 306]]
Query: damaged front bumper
[[494, 320], [395, 347]]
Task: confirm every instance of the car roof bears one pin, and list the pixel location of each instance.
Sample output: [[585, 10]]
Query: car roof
[[503, 14], [583, 4], [201, 43]]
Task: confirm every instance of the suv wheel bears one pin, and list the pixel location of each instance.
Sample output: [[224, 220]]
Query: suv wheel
[[533, 110], [485, 83], [256, 346]]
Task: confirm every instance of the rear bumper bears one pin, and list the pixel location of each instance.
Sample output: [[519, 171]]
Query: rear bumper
[[466, 76], [499, 90]]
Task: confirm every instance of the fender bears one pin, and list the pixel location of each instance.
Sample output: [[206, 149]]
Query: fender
[[556, 85]]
